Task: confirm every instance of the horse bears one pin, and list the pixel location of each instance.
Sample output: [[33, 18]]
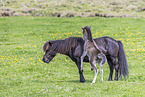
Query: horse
[[73, 47], [94, 54]]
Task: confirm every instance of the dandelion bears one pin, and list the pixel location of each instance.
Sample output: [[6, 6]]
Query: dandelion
[[105, 30], [70, 32], [34, 45], [65, 60], [80, 32]]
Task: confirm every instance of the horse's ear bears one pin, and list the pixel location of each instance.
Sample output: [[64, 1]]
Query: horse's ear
[[50, 43], [46, 46], [82, 28], [90, 27]]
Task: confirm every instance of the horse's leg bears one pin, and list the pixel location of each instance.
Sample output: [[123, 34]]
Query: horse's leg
[[111, 67], [116, 71], [78, 63], [103, 61], [82, 58], [91, 67], [101, 71], [95, 70], [116, 68]]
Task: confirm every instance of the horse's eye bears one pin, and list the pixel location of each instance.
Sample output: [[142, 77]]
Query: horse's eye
[[47, 51]]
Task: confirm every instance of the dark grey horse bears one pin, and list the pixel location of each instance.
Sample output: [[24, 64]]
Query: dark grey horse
[[73, 47]]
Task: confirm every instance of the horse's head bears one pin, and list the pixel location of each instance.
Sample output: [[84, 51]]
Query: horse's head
[[49, 52], [87, 33]]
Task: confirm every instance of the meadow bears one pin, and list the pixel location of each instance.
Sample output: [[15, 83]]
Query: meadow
[[22, 72]]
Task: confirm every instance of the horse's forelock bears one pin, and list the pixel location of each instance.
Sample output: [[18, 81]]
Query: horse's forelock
[[46, 46], [87, 28]]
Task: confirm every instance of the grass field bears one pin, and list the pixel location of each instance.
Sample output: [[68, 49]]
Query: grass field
[[22, 73]]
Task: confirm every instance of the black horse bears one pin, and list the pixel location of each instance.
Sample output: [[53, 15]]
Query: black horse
[[73, 47]]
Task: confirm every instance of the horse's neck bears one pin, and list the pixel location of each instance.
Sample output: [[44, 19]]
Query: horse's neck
[[61, 49]]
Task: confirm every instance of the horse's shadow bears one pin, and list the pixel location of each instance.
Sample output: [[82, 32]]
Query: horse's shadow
[[61, 81]]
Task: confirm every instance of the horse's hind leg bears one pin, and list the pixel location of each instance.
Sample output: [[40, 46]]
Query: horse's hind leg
[[116, 71], [103, 61], [95, 70], [101, 71], [111, 67], [116, 68], [113, 64], [91, 67]]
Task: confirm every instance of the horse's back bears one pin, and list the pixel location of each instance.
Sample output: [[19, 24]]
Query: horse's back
[[109, 44]]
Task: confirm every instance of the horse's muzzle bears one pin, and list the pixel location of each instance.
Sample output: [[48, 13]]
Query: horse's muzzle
[[45, 61]]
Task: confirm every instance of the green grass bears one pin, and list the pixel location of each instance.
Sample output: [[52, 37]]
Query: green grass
[[22, 73]]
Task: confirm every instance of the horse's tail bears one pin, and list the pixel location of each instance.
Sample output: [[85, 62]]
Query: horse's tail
[[123, 66], [102, 57]]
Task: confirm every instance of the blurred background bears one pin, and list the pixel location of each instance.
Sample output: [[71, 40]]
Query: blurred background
[[73, 8]]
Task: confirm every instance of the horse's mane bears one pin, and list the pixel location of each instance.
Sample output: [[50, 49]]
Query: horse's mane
[[65, 45]]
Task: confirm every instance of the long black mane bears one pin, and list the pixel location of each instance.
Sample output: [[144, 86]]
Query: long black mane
[[64, 46]]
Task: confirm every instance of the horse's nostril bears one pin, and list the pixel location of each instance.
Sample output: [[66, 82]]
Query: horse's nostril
[[43, 60], [47, 60]]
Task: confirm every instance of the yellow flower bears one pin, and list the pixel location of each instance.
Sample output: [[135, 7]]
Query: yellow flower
[[34, 45], [65, 60]]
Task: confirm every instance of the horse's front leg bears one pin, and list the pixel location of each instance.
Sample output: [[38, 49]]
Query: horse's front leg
[[78, 63], [101, 71], [82, 58]]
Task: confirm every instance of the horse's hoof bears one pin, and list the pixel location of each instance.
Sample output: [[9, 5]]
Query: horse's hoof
[[116, 79], [82, 81], [82, 70], [109, 79], [92, 83]]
